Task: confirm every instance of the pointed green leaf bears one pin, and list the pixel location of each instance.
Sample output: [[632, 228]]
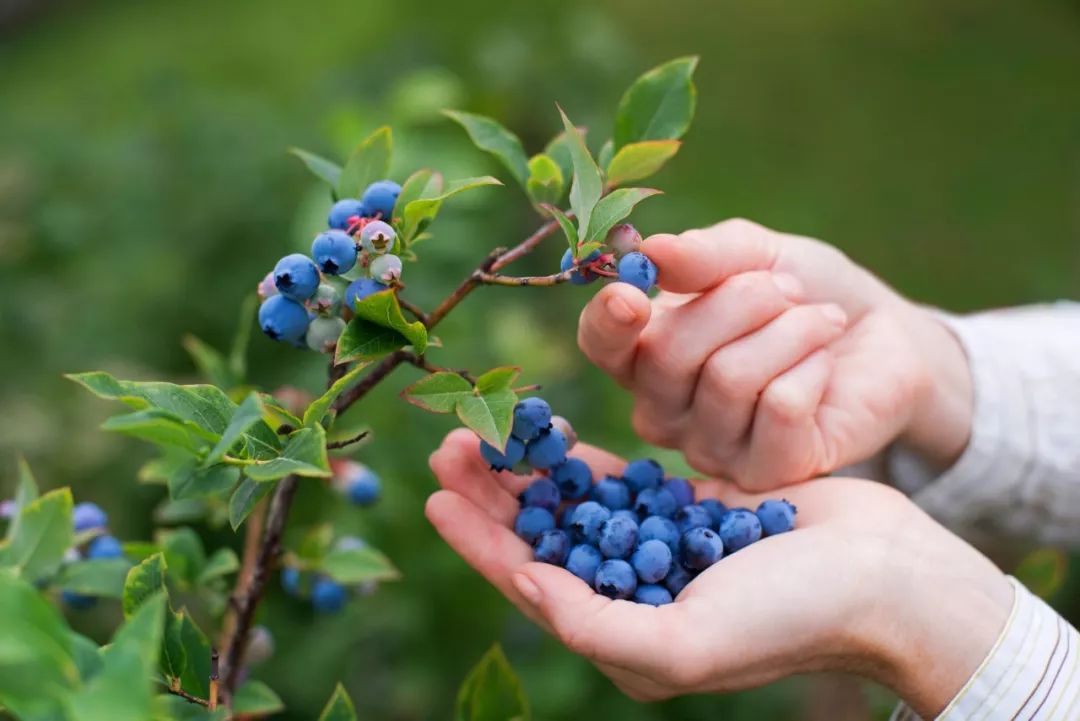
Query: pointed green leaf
[[190, 481], [304, 455], [412, 189], [173, 656], [357, 565], [143, 582], [603, 158], [26, 492], [370, 161], [640, 160], [276, 414], [316, 412], [587, 186], [659, 105], [491, 137], [197, 655], [326, 170], [546, 183], [558, 148], [490, 414], [316, 543], [102, 577], [438, 392], [243, 500], [255, 699], [210, 362], [246, 416], [222, 562], [42, 536], [185, 556], [419, 213], [359, 341], [339, 707], [161, 427], [613, 208], [492, 692], [87, 655], [497, 379], [567, 226], [365, 341]]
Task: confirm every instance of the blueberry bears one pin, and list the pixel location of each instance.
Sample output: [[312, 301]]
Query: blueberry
[[323, 334], [259, 647], [586, 522], [379, 198], [87, 516], [652, 561], [681, 489], [105, 547], [573, 477], [739, 528], [296, 276], [655, 502], [581, 276], [334, 252], [531, 416], [283, 319], [327, 595], [563, 426], [716, 511], [542, 493], [361, 288], [625, 513], [350, 543], [618, 537], [378, 237], [692, 516], [643, 473], [566, 518], [358, 482], [660, 529], [77, 601], [552, 547], [637, 270], [611, 492], [615, 579], [531, 522], [678, 578], [583, 562], [290, 580], [652, 594], [546, 450], [503, 460], [326, 301], [701, 548], [341, 211], [386, 268], [623, 239], [266, 288], [776, 516]]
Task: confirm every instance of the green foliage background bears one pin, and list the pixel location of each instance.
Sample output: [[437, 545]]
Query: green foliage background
[[144, 190]]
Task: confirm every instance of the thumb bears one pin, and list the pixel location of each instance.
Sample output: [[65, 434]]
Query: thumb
[[698, 260]]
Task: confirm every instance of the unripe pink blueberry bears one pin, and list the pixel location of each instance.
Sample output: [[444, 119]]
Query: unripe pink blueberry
[[378, 237], [624, 238], [267, 288], [326, 301], [260, 646], [563, 426], [386, 268]]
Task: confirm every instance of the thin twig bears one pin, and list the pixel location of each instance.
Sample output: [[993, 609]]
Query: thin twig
[[348, 441], [379, 371], [187, 696], [212, 704], [416, 311], [524, 281]]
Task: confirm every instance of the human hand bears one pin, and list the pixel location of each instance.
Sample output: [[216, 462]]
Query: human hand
[[771, 358], [867, 583]]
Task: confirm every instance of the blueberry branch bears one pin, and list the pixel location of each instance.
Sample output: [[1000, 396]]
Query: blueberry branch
[[347, 442], [523, 281], [187, 696]]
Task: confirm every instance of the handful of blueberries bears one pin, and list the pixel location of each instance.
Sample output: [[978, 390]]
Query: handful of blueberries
[[638, 536]]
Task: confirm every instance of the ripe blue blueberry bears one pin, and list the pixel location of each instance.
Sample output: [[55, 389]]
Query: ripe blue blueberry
[[682, 489], [655, 502], [652, 594], [361, 288], [566, 518], [716, 511], [677, 579], [290, 580], [586, 522], [503, 460], [358, 482], [776, 516], [637, 270], [87, 516], [341, 211], [582, 276], [692, 516], [379, 198], [583, 562], [386, 268], [327, 595], [531, 416], [284, 319], [643, 473], [296, 276], [552, 547], [659, 528], [77, 601], [531, 522], [611, 492], [625, 513], [546, 450], [739, 528], [615, 578], [542, 493], [377, 237], [701, 548], [652, 561], [334, 252], [618, 537], [105, 547], [573, 477]]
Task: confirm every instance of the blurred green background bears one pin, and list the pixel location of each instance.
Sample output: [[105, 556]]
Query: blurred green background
[[144, 190]]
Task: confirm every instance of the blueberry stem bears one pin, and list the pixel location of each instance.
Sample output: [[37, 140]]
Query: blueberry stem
[[187, 696], [525, 281], [347, 442]]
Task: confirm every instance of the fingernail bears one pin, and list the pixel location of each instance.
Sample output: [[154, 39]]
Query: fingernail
[[788, 284], [620, 310], [527, 588], [834, 314]]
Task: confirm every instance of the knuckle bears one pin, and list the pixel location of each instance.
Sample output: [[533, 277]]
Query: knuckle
[[739, 227], [785, 401], [752, 294], [727, 376], [646, 426]]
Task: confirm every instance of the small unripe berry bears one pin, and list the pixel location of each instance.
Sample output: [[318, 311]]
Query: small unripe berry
[[624, 239], [296, 276], [334, 252], [378, 237], [266, 288], [86, 516], [341, 211], [260, 646], [503, 460], [323, 333], [326, 301], [563, 426], [386, 268], [379, 198], [637, 270], [361, 288], [283, 319]]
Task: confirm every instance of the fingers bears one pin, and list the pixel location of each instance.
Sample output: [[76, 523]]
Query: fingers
[[698, 260], [609, 327], [459, 468]]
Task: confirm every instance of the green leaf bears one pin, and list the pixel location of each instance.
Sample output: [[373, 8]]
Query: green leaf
[[370, 161], [143, 581], [421, 212], [492, 692], [316, 543], [173, 655], [339, 707], [412, 189], [545, 184], [210, 362], [497, 379], [587, 186], [317, 410], [490, 414], [659, 105], [614, 207], [255, 698], [438, 392], [360, 341], [197, 654], [102, 577], [42, 535], [567, 226], [491, 137], [241, 339], [277, 414], [222, 562], [26, 492], [640, 160], [162, 428], [558, 148], [603, 158], [357, 565], [246, 416], [87, 655], [363, 341], [322, 168], [243, 500], [304, 455], [190, 481], [184, 554]]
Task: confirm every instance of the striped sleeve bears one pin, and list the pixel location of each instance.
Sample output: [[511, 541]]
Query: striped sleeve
[[1032, 673]]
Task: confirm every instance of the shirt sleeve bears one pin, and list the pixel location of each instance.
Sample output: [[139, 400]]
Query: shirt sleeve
[[1032, 672]]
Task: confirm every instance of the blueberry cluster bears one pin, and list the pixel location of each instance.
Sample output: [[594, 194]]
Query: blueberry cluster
[[325, 594], [88, 518], [620, 258], [300, 302]]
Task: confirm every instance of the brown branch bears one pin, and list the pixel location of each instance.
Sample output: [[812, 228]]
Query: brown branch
[[526, 246], [416, 311], [466, 286], [379, 371], [524, 281], [187, 696], [348, 441], [423, 363]]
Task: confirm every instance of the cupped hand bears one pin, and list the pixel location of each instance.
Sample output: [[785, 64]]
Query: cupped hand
[[866, 583], [771, 358]]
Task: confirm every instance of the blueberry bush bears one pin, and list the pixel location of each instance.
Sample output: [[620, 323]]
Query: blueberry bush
[[234, 456]]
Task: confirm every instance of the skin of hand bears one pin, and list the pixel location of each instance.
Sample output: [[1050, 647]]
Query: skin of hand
[[866, 583], [771, 358]]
